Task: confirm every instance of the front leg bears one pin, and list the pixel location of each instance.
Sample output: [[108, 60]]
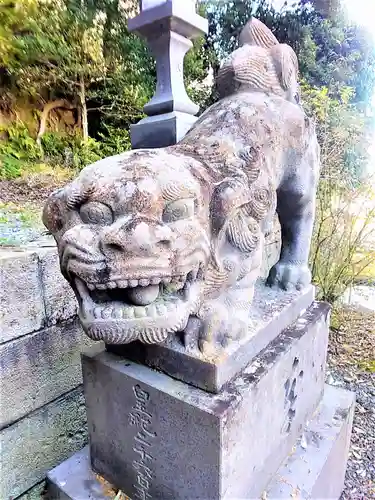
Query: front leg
[[296, 211]]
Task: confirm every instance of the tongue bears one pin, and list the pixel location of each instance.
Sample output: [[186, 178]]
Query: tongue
[[143, 295]]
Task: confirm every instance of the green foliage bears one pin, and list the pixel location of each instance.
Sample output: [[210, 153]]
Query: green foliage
[[70, 150], [115, 141], [343, 244], [17, 149], [20, 153], [344, 131]]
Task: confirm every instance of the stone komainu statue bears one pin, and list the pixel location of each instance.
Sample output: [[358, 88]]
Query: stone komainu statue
[[149, 239]]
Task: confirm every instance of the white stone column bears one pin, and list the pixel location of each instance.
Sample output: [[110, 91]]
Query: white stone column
[[168, 26]]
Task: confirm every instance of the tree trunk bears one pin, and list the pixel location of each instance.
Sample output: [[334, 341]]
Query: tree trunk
[[48, 107], [82, 99]]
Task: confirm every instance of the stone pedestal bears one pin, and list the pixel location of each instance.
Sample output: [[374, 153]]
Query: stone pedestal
[[314, 470], [161, 131], [159, 438], [168, 26]]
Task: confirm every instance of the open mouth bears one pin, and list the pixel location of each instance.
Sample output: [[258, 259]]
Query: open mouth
[[145, 309]]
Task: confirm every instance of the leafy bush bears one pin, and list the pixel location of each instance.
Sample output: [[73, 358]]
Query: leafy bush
[[343, 246], [85, 152], [20, 153], [70, 150], [344, 132], [54, 146], [16, 150], [10, 167], [114, 141]]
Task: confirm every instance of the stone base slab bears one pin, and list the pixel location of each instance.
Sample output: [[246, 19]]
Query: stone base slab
[[272, 311], [161, 131], [155, 437], [314, 470]]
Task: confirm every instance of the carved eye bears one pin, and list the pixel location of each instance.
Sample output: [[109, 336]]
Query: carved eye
[[177, 210], [94, 212]]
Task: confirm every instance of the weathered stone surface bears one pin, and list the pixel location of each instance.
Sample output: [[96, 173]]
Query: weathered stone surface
[[60, 302], [21, 297], [271, 312], [38, 368], [316, 468], [161, 130], [153, 435], [192, 217], [315, 471], [271, 251], [40, 441], [74, 479], [35, 493]]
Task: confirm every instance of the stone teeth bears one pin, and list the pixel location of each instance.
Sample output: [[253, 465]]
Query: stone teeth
[[155, 281], [192, 275], [107, 312], [128, 312], [97, 312], [151, 310], [91, 286], [101, 286], [118, 313], [112, 284], [139, 312], [122, 284], [133, 283], [144, 282]]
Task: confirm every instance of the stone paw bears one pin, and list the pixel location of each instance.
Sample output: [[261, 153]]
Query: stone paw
[[288, 276], [212, 343]]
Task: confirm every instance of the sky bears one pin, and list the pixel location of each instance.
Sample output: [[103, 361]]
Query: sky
[[362, 12]]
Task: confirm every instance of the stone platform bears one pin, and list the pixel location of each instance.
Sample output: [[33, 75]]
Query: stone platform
[[315, 469], [156, 437], [270, 313]]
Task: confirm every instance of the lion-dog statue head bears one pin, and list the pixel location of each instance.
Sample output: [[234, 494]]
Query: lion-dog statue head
[[145, 239]]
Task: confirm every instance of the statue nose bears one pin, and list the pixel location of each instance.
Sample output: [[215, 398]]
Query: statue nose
[[136, 235]]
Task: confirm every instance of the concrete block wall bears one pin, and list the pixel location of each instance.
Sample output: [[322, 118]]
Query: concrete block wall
[[42, 411]]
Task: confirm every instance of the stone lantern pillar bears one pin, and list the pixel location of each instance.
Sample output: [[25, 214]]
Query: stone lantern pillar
[[168, 26]]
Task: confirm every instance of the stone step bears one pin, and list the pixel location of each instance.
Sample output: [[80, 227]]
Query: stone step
[[315, 469]]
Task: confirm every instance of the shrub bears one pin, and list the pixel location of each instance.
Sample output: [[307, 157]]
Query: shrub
[[16, 150], [114, 141], [343, 246]]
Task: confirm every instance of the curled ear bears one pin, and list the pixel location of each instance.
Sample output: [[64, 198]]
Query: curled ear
[[53, 212], [244, 232], [286, 65], [230, 220], [228, 196], [256, 33]]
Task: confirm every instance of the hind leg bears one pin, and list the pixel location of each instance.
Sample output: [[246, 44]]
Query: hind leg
[[296, 211]]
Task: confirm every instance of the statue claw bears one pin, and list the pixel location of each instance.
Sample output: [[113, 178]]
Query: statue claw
[[289, 276]]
